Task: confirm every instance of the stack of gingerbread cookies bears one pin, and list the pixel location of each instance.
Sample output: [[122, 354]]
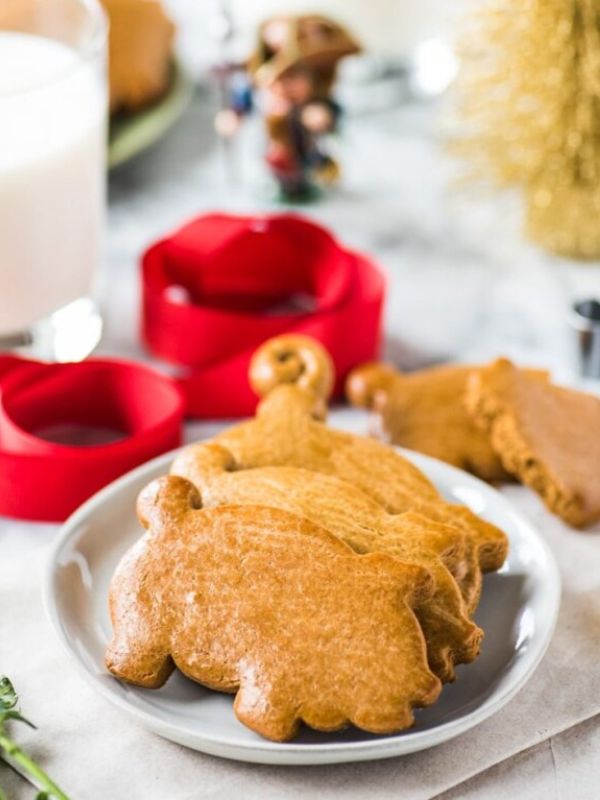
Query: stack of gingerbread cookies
[[498, 421], [317, 575]]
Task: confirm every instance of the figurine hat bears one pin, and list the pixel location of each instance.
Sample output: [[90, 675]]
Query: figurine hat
[[310, 41]]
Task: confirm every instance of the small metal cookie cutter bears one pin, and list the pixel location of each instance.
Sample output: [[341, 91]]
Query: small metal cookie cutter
[[585, 321]]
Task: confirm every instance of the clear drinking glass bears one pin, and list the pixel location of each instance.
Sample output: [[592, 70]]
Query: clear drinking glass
[[53, 120]]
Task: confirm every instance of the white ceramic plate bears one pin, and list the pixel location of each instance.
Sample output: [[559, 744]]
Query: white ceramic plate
[[518, 613]]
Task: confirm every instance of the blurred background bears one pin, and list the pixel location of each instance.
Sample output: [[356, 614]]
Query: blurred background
[[457, 147], [466, 283]]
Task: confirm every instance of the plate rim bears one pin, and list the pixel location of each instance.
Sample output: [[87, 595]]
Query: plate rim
[[290, 753]]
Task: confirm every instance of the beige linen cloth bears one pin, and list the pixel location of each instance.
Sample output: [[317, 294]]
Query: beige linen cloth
[[97, 753]]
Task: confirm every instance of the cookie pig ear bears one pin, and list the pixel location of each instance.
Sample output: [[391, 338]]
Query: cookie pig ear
[[199, 461], [367, 384], [292, 359], [168, 498]]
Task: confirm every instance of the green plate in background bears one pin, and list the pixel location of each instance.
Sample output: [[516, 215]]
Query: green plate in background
[[131, 134]]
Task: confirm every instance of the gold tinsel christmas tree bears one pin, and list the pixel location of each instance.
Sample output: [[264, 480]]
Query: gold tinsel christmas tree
[[529, 98]]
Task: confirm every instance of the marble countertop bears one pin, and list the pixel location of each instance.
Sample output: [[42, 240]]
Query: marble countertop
[[463, 285]]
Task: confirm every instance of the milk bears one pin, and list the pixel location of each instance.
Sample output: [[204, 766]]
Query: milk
[[52, 176]]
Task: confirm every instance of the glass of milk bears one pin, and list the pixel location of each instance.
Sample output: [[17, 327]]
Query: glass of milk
[[53, 115]]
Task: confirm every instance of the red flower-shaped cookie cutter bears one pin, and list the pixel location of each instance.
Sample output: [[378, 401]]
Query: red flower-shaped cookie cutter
[[221, 285]]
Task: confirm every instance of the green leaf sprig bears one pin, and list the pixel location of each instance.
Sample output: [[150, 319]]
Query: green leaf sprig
[[9, 711]]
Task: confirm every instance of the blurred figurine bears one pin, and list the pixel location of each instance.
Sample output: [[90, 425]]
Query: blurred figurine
[[294, 69]]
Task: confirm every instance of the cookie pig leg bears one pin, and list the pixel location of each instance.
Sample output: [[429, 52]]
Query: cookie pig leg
[[137, 652], [398, 717], [265, 709], [138, 663]]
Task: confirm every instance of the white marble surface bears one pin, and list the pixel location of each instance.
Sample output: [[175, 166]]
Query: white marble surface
[[462, 285]]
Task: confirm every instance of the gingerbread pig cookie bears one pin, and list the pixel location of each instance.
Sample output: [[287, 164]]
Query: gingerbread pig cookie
[[363, 524], [425, 411], [545, 434], [288, 431], [269, 606]]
